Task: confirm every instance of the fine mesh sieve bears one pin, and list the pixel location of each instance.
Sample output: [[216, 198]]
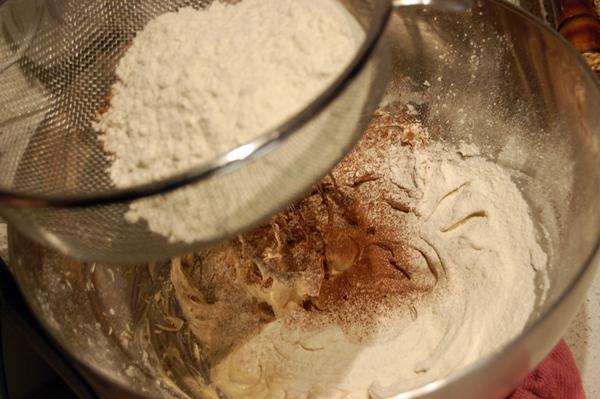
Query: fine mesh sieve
[[59, 59]]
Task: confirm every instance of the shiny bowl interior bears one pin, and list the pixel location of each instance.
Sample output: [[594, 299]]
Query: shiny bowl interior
[[55, 185], [495, 77]]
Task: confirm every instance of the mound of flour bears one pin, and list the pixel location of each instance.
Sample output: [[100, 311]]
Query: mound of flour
[[197, 83]]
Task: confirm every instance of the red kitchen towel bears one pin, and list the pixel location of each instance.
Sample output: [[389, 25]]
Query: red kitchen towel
[[556, 377]]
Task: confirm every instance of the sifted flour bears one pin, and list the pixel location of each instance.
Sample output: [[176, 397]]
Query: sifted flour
[[196, 83], [287, 310]]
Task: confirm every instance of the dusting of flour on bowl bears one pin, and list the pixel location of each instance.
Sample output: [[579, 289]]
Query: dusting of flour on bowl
[[197, 83]]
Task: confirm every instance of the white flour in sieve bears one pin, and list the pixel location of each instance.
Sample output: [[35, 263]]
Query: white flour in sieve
[[196, 83]]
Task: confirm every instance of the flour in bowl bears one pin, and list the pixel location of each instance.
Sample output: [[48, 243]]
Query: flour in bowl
[[412, 260], [197, 83]]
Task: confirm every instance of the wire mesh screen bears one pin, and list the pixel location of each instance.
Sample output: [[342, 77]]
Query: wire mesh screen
[[61, 59]]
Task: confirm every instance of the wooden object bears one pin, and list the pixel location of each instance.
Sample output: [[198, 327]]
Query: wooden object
[[578, 21]]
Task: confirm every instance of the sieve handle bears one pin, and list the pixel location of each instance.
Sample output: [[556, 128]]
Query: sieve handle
[[442, 5]]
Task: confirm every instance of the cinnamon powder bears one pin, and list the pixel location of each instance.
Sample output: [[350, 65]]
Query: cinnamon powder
[[347, 240]]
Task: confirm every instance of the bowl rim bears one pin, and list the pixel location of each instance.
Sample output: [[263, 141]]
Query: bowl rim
[[224, 163]]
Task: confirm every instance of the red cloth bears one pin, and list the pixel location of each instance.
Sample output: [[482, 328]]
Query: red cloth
[[556, 377]]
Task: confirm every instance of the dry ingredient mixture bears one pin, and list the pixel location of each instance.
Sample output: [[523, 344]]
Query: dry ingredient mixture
[[411, 260], [197, 83]]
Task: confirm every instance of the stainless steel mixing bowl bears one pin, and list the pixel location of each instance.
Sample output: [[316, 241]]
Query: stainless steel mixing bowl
[[494, 76]]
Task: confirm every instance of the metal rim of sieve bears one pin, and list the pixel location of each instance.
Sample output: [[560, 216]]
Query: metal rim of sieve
[[226, 162]]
